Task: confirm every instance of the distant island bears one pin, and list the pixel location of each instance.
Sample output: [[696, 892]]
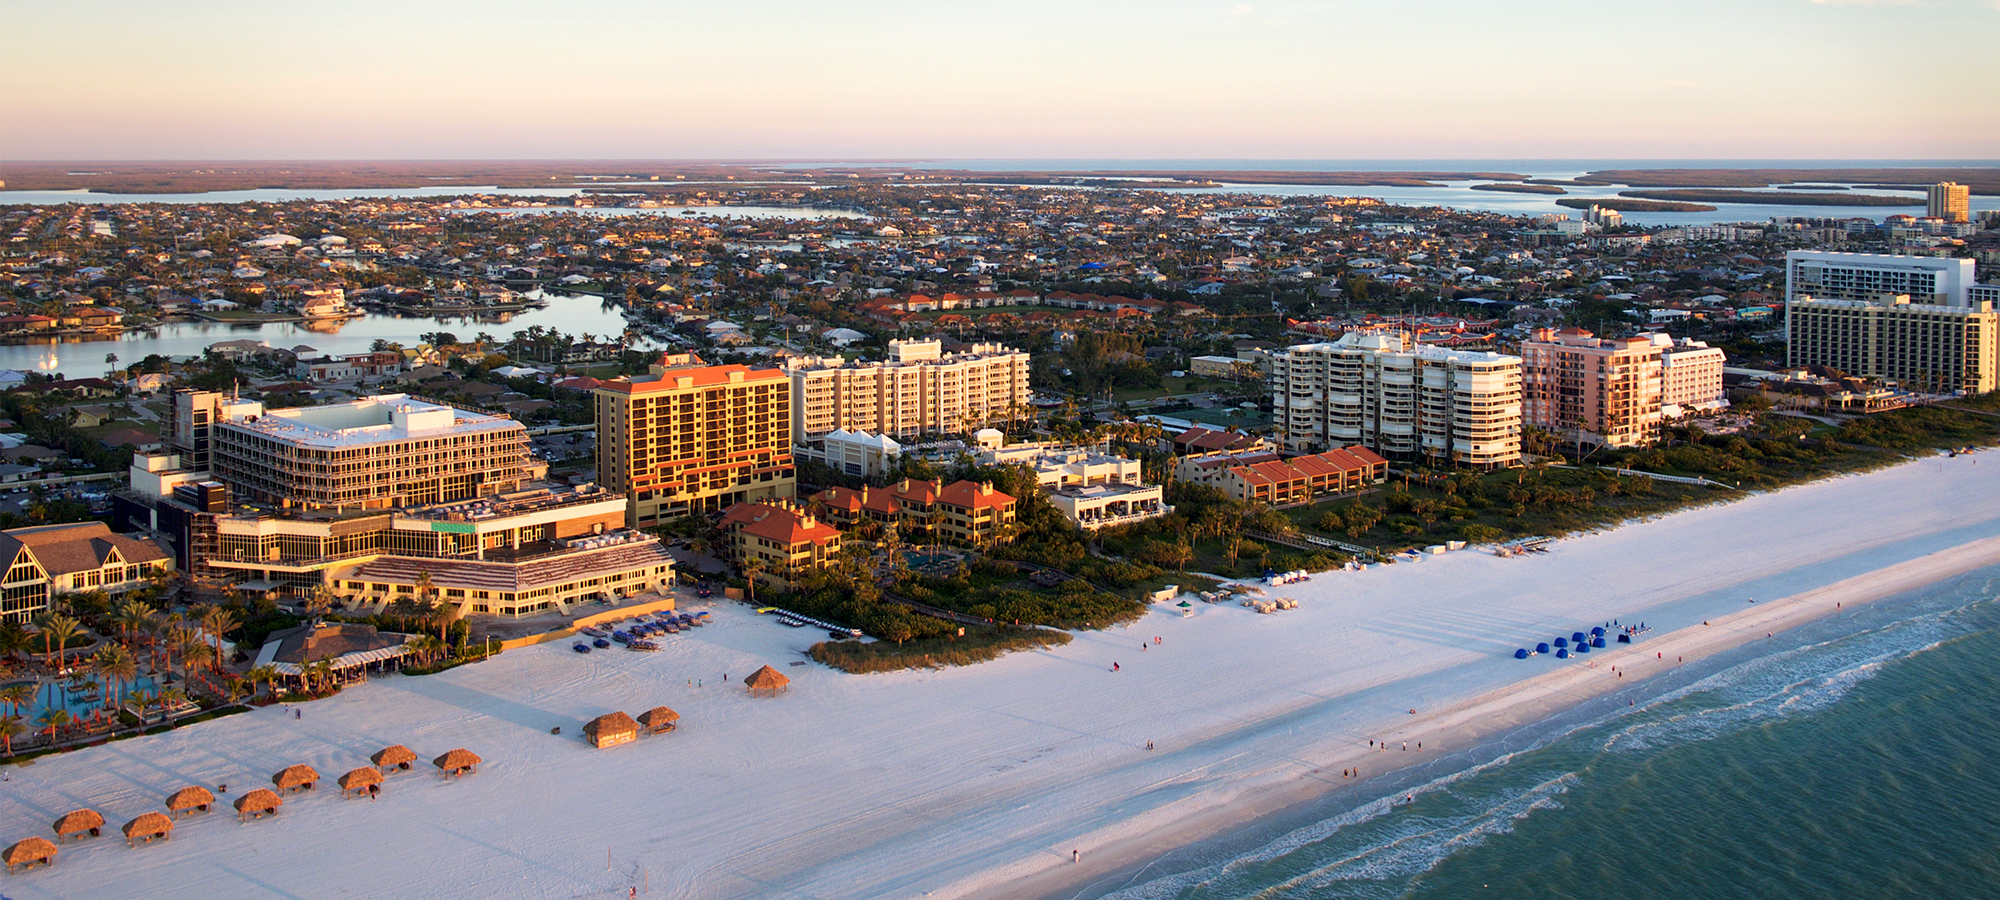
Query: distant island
[[1713, 195], [1520, 188], [1627, 204], [1982, 180]]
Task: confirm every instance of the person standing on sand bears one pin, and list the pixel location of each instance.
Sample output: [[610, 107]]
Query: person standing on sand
[[1076, 856]]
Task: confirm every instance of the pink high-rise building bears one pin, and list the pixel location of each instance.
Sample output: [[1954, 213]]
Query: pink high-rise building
[[1599, 389]]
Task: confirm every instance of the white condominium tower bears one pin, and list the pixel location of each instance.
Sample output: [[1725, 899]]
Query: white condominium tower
[[1427, 403], [920, 389], [1928, 280]]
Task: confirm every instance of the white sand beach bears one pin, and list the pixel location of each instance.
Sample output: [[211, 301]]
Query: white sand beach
[[976, 781]]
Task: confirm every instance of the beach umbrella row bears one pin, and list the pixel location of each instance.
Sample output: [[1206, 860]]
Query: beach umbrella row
[[79, 824]]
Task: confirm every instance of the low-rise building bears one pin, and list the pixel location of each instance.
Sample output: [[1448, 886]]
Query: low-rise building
[[1268, 478], [46, 561], [856, 453], [964, 512], [781, 539], [1092, 488]]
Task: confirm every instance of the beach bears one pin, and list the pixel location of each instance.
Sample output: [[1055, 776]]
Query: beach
[[981, 781]]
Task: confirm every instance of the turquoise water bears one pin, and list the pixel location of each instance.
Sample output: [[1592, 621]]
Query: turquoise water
[[1852, 758]]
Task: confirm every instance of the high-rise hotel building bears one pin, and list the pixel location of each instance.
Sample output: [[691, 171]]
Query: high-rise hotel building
[[919, 389], [1922, 347], [1425, 403], [1908, 319], [1928, 280], [692, 438]]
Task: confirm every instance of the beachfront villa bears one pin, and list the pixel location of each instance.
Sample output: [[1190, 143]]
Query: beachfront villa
[[964, 512], [780, 538], [1092, 488], [1268, 478], [46, 561]]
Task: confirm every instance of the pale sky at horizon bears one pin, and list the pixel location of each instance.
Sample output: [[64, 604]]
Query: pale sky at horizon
[[1428, 79]]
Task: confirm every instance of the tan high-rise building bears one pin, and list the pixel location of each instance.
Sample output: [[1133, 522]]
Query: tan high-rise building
[[1922, 347], [380, 452], [1950, 202], [695, 438], [1428, 403], [919, 390], [1605, 390]]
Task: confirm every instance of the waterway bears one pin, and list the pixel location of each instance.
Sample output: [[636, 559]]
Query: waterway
[[78, 357], [1454, 194]]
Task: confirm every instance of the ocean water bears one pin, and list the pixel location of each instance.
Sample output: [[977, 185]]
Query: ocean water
[[1851, 758]]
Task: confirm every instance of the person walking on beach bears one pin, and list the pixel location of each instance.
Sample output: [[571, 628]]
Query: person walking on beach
[[1076, 856], [296, 714], [1406, 746]]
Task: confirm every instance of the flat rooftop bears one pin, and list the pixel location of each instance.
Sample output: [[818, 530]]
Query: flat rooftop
[[379, 419]]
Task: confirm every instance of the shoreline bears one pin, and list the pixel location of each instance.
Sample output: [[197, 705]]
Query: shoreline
[[979, 781], [1464, 724]]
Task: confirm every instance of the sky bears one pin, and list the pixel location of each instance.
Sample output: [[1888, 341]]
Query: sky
[[833, 79]]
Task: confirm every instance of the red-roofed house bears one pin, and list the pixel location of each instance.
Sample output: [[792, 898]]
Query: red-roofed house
[[1265, 478], [966, 512], [781, 538]]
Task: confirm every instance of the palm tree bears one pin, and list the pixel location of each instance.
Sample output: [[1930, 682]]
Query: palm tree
[[53, 718], [14, 639], [218, 621], [11, 728], [57, 630], [321, 601], [169, 698], [751, 567], [426, 591], [115, 668], [131, 616], [17, 696], [266, 674]]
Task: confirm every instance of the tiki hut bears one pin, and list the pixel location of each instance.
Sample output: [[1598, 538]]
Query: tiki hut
[[147, 827], [459, 761], [659, 719], [610, 730], [190, 799], [296, 778], [394, 756], [767, 681], [360, 780], [79, 822], [28, 852], [257, 803]]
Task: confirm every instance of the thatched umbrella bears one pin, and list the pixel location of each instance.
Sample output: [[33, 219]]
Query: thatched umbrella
[[610, 730], [454, 762], [189, 799], [147, 827], [360, 780], [296, 778], [28, 852], [659, 719], [79, 822], [767, 680], [258, 802], [394, 756]]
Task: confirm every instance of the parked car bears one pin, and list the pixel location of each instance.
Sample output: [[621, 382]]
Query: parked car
[[580, 647], [600, 643]]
